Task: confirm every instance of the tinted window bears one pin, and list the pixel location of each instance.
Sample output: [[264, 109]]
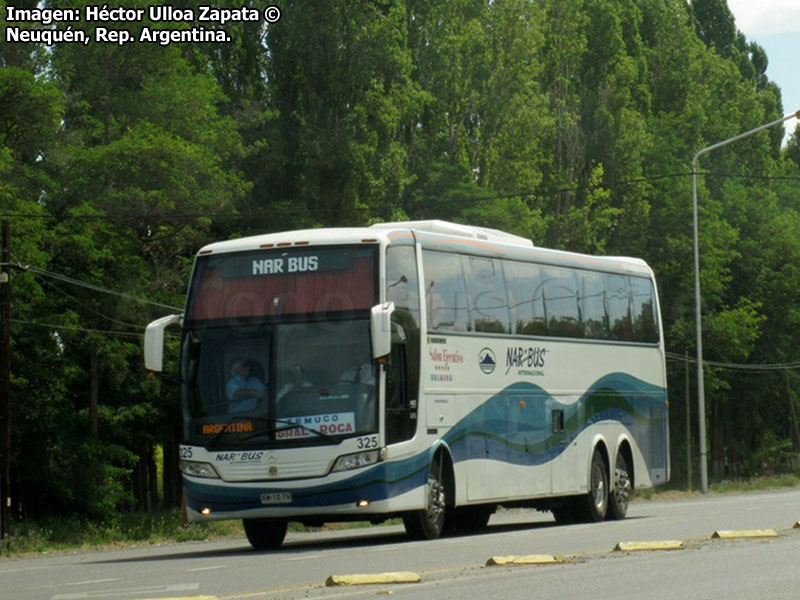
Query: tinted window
[[561, 302], [618, 307], [486, 289], [402, 283], [593, 305], [643, 310], [446, 294], [402, 375], [526, 298], [282, 282], [470, 293]]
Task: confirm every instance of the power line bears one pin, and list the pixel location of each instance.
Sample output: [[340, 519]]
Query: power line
[[85, 284], [75, 328], [91, 310], [737, 366]]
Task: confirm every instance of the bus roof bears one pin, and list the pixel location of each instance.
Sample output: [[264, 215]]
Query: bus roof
[[432, 234]]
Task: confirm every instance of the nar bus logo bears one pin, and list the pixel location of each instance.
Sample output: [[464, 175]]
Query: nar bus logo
[[487, 361]]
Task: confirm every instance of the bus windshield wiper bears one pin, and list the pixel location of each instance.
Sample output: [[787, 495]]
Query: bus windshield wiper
[[289, 425], [293, 425]]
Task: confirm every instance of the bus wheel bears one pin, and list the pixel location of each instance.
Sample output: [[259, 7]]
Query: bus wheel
[[565, 512], [469, 519], [594, 505], [265, 534], [428, 523], [619, 498]]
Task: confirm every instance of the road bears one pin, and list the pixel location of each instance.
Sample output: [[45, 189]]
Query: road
[[454, 567]]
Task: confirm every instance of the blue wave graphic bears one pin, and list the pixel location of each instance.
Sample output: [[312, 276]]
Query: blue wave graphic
[[513, 426]]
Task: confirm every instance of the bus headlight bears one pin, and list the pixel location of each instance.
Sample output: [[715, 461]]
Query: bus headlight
[[198, 469], [355, 461]]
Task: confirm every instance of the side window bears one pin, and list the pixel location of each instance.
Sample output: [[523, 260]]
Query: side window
[[593, 305], [486, 289], [402, 282], [644, 320], [402, 375], [561, 302], [526, 298], [446, 295], [618, 307]]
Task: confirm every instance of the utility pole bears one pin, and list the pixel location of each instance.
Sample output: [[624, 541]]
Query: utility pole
[[5, 384], [688, 424]]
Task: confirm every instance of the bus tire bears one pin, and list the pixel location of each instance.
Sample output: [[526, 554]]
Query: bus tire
[[621, 494], [469, 519], [565, 512], [265, 534], [593, 506], [428, 523]]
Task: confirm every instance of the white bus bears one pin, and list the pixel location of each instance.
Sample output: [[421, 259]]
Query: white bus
[[425, 370]]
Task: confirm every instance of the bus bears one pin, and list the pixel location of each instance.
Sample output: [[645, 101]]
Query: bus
[[425, 370]]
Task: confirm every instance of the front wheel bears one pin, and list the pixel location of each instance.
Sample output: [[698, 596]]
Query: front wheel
[[621, 495], [428, 523], [265, 534], [470, 519]]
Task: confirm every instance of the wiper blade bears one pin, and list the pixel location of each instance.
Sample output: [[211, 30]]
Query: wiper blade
[[293, 425], [290, 425]]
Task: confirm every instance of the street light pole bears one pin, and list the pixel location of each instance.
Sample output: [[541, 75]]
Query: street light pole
[[701, 397]]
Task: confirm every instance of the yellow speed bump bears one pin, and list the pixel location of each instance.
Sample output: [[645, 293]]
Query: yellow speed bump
[[529, 559], [640, 546], [797, 525], [745, 533], [373, 579]]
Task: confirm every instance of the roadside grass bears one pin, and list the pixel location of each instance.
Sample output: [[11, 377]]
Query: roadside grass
[[58, 534], [70, 533], [679, 490]]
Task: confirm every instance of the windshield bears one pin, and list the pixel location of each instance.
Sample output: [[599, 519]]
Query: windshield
[[279, 383]]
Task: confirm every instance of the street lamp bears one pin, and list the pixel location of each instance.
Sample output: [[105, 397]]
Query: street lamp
[[701, 398]]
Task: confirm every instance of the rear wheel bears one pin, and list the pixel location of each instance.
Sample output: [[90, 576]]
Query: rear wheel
[[620, 496], [593, 506], [265, 534], [428, 523]]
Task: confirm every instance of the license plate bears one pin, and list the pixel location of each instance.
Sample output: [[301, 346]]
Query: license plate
[[277, 498]]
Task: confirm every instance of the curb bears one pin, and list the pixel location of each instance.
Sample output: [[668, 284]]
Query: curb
[[748, 533], [373, 579], [529, 559], [640, 546]]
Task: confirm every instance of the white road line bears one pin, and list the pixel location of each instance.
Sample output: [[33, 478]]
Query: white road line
[[207, 568], [303, 557], [20, 570], [93, 581], [153, 589]]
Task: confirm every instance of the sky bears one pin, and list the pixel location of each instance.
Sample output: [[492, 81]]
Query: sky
[[775, 26]]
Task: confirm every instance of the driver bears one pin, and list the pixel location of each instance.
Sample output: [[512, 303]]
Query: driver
[[243, 389]]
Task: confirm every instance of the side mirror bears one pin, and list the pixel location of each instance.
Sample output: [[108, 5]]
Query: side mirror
[[154, 342], [381, 329]]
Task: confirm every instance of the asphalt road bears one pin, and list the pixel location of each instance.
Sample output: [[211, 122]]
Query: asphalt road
[[454, 567]]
